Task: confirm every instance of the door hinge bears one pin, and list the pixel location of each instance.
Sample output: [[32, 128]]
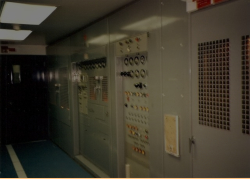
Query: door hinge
[[191, 142]]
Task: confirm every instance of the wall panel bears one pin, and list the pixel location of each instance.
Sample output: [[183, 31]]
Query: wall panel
[[175, 82]]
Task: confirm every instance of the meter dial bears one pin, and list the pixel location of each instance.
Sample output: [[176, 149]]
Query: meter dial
[[93, 66], [137, 61], [137, 73], [100, 65], [126, 61], [143, 73], [131, 72], [143, 60], [131, 61], [96, 66]]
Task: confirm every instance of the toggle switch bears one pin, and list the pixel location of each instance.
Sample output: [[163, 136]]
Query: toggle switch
[[138, 85]]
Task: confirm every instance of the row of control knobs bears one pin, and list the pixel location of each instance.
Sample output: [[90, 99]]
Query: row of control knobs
[[138, 134], [140, 85], [135, 128], [142, 73], [137, 60], [142, 108], [138, 115], [139, 94], [136, 149]]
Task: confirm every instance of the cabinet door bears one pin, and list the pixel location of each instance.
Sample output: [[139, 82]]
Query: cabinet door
[[221, 143]]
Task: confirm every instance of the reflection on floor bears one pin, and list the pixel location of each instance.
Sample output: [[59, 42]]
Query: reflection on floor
[[41, 159]]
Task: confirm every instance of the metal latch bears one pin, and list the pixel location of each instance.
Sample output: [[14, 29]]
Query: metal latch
[[191, 142]]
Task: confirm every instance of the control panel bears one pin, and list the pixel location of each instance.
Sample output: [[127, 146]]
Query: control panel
[[134, 74], [83, 93], [93, 104]]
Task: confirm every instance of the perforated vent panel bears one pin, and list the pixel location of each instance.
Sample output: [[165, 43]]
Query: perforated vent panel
[[105, 89], [92, 84], [245, 83], [213, 77], [63, 80]]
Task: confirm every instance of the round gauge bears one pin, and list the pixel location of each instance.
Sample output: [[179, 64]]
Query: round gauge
[[88, 67], [137, 73], [143, 73], [143, 60], [126, 61], [96, 66], [100, 65], [131, 61], [93, 66], [137, 61], [131, 72]]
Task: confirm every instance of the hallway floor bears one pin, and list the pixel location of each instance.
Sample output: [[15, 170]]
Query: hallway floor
[[41, 159]]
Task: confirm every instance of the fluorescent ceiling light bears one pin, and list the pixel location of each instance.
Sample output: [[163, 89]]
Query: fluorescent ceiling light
[[18, 13], [13, 34], [104, 39], [150, 23]]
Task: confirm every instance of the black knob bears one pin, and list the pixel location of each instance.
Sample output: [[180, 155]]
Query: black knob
[[122, 73], [140, 85]]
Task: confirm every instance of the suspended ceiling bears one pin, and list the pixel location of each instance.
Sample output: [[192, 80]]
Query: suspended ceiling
[[70, 16]]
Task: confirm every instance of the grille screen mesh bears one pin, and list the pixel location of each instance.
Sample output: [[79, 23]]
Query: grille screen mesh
[[213, 77], [105, 89], [245, 84]]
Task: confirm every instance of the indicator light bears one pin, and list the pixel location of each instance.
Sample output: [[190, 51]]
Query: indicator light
[[137, 39]]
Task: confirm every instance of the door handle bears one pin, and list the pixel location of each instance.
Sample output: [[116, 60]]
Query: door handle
[[191, 142]]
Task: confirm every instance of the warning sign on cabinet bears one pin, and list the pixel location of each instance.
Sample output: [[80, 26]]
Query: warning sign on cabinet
[[203, 3], [171, 133]]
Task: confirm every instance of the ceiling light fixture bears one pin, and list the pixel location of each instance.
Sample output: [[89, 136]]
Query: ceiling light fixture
[[30, 14], [6, 34]]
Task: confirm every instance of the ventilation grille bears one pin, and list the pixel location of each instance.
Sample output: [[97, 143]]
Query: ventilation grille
[[245, 83], [214, 84], [105, 89], [92, 84], [63, 80]]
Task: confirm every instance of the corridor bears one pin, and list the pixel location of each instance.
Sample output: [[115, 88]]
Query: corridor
[[41, 159]]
